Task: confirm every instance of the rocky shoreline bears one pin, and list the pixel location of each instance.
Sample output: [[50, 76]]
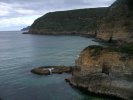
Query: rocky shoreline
[[62, 34], [100, 85], [109, 24], [99, 70], [85, 91], [103, 71]]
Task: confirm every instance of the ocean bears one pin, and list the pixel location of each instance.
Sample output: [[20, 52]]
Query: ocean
[[20, 53]]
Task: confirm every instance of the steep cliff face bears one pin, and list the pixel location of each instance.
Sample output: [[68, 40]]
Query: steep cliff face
[[81, 21], [94, 59], [118, 24], [104, 70]]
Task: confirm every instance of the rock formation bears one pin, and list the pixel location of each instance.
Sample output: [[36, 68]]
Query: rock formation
[[118, 24], [47, 70], [103, 70]]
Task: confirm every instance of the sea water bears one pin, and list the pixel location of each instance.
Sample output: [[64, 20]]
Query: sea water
[[20, 53]]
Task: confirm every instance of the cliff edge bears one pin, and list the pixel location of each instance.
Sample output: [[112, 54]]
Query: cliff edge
[[105, 70], [118, 24]]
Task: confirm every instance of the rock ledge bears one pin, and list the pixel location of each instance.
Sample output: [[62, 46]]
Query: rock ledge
[[47, 70]]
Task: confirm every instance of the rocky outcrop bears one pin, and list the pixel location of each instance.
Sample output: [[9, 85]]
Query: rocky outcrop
[[117, 25], [47, 70], [103, 70]]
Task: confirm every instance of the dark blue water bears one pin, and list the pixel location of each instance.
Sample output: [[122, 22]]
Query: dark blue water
[[20, 53]]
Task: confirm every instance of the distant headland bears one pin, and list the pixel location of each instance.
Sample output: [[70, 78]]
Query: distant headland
[[112, 23]]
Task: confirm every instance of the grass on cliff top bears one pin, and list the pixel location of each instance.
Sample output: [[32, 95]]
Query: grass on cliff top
[[95, 50], [125, 48], [72, 20]]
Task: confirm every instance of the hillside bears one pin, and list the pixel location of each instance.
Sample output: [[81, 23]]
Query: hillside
[[118, 24], [80, 21], [113, 23]]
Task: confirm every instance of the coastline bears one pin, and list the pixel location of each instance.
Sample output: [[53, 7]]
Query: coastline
[[104, 70], [63, 34], [112, 43], [106, 83], [86, 91], [111, 93]]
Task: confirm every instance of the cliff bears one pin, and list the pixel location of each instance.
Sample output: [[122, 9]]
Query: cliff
[[75, 22], [118, 24], [109, 24], [105, 70]]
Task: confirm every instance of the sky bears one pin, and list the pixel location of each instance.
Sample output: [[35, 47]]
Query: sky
[[17, 14]]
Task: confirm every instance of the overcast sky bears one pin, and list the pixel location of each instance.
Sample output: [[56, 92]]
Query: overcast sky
[[16, 14]]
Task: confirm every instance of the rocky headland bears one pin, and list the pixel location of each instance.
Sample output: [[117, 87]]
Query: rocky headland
[[72, 22], [109, 24], [117, 25], [104, 70]]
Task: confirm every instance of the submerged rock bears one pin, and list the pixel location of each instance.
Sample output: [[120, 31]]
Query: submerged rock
[[102, 70], [47, 70]]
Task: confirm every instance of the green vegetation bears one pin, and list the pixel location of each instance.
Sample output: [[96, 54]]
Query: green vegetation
[[115, 20], [81, 20], [124, 48], [94, 49]]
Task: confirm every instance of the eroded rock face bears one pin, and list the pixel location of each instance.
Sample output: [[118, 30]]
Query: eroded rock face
[[96, 59], [103, 71], [117, 25]]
